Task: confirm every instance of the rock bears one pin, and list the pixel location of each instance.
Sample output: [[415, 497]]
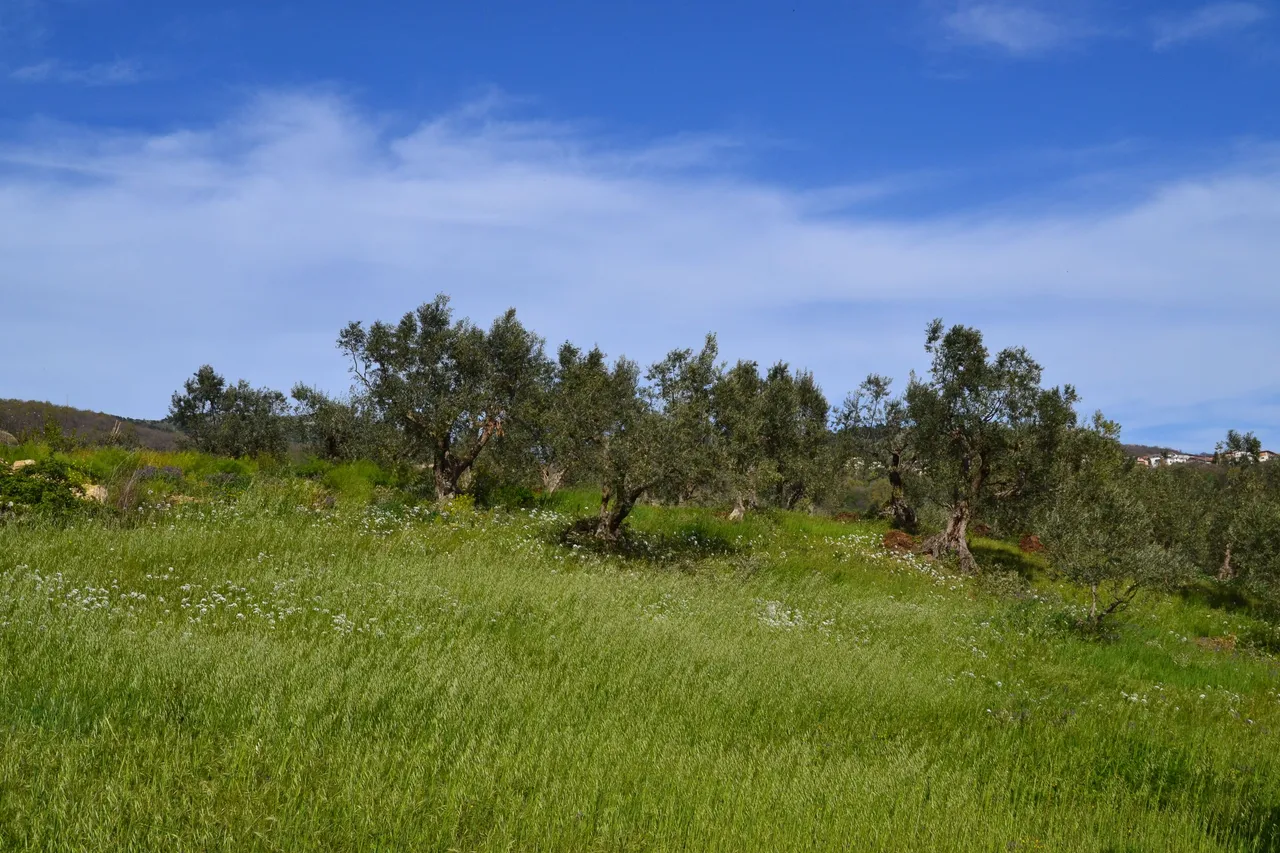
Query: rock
[[23, 463], [95, 493], [8, 439], [896, 540]]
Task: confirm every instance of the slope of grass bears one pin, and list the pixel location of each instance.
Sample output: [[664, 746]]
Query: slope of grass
[[253, 673]]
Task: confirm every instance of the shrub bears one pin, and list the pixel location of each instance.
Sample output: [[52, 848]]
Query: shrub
[[1099, 533], [355, 481], [48, 487]]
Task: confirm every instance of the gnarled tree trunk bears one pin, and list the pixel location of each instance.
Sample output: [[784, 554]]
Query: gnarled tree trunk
[[1227, 571], [552, 476], [953, 541], [901, 514], [616, 503], [449, 469], [446, 482], [739, 509]]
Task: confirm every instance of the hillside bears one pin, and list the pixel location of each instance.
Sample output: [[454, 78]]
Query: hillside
[[1147, 450], [25, 416], [269, 671]]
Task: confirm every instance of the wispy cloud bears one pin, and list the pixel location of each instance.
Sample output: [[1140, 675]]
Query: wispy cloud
[[1018, 29], [1209, 21], [117, 73], [249, 243]]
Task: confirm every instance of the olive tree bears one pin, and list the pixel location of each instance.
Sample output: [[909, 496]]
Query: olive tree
[[626, 442], [984, 430], [340, 429], [738, 412], [558, 433], [1100, 533], [1254, 534], [1244, 509], [681, 391], [873, 427], [653, 437], [231, 420], [448, 387], [796, 434]]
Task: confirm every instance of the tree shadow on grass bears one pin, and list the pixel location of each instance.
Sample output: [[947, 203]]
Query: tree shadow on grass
[[1218, 596], [680, 544], [1003, 557]]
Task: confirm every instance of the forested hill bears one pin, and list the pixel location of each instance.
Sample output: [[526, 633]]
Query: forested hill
[[22, 417]]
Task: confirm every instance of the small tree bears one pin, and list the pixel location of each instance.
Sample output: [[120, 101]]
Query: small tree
[[872, 425], [657, 439], [1238, 449], [1100, 534], [231, 420], [1235, 498], [983, 429], [1253, 534], [559, 432], [681, 391], [448, 388], [738, 412], [1244, 511], [340, 429], [796, 433], [626, 442]]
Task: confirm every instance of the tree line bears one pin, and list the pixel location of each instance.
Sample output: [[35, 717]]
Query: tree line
[[977, 440]]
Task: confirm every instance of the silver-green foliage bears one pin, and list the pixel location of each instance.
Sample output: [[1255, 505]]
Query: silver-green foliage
[[1101, 535], [230, 420], [448, 388]]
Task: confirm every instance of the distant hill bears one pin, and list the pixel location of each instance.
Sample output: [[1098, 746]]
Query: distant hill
[[1148, 450], [26, 416]]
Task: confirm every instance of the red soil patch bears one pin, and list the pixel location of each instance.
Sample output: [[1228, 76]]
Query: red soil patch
[[896, 540], [1031, 544]]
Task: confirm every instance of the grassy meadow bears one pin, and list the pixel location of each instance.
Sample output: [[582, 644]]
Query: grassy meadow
[[262, 668]]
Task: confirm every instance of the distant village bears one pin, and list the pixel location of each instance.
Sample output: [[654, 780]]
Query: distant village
[[1158, 459]]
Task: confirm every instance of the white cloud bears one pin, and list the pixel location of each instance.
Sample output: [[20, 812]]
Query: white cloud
[[130, 260], [119, 72], [1019, 29], [1208, 21]]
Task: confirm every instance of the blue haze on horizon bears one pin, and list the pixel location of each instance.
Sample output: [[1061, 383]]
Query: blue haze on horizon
[[182, 184]]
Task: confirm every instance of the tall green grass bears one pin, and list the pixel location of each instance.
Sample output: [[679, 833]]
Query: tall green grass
[[254, 673]]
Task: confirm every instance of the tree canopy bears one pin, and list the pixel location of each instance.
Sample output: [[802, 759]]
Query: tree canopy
[[448, 387]]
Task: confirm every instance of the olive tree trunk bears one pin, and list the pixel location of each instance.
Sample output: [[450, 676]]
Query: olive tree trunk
[[953, 540], [616, 503], [552, 477], [901, 514]]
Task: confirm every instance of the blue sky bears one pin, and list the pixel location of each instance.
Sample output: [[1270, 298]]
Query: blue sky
[[230, 184]]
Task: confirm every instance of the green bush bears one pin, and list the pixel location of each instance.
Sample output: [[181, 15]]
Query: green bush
[[47, 488], [355, 481], [313, 468]]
